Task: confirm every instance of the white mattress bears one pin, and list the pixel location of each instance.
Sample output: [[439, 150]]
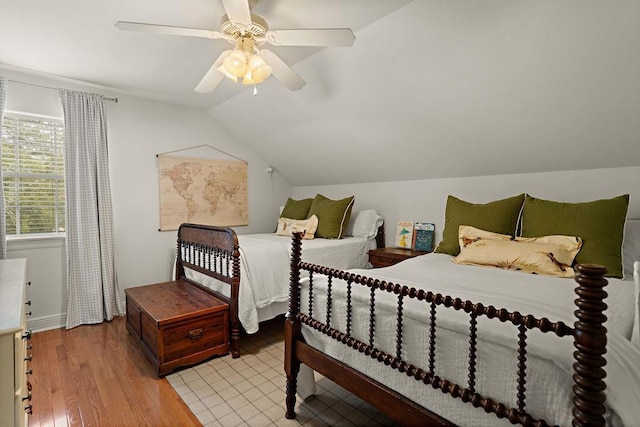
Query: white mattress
[[549, 358], [264, 271]]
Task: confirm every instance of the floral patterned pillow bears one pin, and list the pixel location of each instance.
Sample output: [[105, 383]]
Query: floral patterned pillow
[[288, 226], [548, 255]]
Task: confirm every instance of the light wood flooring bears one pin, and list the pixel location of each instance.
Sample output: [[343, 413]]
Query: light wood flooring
[[95, 375]]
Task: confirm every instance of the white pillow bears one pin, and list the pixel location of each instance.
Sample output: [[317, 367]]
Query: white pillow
[[635, 333], [365, 224], [631, 245]]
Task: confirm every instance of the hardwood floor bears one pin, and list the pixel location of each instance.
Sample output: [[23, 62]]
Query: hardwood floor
[[95, 375]]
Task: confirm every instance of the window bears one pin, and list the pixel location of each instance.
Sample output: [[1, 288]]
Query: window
[[33, 168]]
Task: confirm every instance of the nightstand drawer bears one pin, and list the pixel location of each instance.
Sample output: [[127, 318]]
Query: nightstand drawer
[[385, 257]]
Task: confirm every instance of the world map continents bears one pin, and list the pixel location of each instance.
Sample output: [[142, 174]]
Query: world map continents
[[202, 191]]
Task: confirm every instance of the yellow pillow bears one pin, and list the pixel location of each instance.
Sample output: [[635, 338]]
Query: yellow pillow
[[548, 255], [288, 226]]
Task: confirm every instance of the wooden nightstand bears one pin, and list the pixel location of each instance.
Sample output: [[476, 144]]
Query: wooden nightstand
[[385, 257]]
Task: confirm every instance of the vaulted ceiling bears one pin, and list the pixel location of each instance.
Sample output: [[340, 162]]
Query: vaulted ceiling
[[430, 89]]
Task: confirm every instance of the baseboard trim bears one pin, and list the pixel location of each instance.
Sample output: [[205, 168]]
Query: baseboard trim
[[46, 323]]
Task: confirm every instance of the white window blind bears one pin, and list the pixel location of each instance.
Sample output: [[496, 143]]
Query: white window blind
[[33, 168]]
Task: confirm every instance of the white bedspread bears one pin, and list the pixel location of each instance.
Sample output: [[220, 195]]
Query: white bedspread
[[549, 358], [264, 270]]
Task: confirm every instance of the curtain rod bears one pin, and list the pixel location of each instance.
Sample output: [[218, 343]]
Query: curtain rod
[[53, 88]]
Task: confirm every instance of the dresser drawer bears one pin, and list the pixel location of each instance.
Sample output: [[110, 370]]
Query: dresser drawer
[[13, 345]]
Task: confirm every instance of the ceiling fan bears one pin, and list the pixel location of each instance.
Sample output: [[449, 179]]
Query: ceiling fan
[[246, 63]]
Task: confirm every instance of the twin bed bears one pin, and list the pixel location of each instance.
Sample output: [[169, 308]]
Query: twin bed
[[431, 342], [251, 272]]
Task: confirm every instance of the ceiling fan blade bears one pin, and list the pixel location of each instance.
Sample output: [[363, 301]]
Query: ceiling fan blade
[[166, 29], [213, 77], [320, 37], [282, 71], [238, 11]]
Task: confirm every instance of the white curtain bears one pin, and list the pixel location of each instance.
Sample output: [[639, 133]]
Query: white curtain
[[93, 294], [3, 213]]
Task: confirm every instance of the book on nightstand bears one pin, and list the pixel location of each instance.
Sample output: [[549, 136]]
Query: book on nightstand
[[404, 233], [423, 236]]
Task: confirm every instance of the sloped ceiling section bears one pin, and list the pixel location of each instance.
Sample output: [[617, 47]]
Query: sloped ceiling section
[[442, 89]]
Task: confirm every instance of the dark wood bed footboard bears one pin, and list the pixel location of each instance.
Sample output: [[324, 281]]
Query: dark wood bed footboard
[[588, 333], [213, 251]]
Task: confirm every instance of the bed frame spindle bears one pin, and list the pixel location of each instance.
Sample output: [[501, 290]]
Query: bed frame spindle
[[473, 329], [399, 328], [328, 322], [311, 293], [372, 315], [522, 367], [432, 338], [349, 282]]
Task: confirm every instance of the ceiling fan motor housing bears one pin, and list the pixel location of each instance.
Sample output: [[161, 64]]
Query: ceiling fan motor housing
[[257, 29]]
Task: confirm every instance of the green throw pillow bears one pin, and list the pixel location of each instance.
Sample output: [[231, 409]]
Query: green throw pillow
[[333, 215], [600, 224], [500, 216], [296, 209]]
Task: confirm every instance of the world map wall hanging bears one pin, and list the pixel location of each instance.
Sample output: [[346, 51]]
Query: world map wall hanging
[[202, 191]]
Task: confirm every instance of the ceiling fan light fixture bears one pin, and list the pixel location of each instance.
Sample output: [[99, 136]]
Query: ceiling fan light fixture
[[236, 63], [248, 31], [246, 80], [227, 74], [259, 70]]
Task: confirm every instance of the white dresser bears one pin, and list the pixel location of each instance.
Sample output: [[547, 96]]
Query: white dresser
[[15, 394]]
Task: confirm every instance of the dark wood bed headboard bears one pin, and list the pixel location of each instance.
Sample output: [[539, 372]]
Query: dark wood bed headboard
[[213, 251], [209, 250], [380, 237]]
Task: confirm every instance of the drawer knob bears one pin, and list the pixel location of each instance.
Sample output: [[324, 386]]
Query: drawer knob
[[29, 347], [29, 386], [29, 283], [29, 313], [28, 302], [28, 409], [27, 397], [27, 335], [29, 358], [28, 371], [194, 334]]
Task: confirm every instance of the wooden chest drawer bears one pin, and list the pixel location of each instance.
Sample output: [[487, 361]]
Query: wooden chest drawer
[[195, 336], [177, 324]]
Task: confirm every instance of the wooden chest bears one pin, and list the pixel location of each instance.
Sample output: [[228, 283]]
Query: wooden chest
[[177, 324]]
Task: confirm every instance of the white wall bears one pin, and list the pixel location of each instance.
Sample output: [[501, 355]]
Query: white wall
[[425, 200], [138, 129]]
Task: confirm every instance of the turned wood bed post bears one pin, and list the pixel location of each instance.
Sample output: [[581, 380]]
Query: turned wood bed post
[[590, 341], [233, 306], [292, 327]]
